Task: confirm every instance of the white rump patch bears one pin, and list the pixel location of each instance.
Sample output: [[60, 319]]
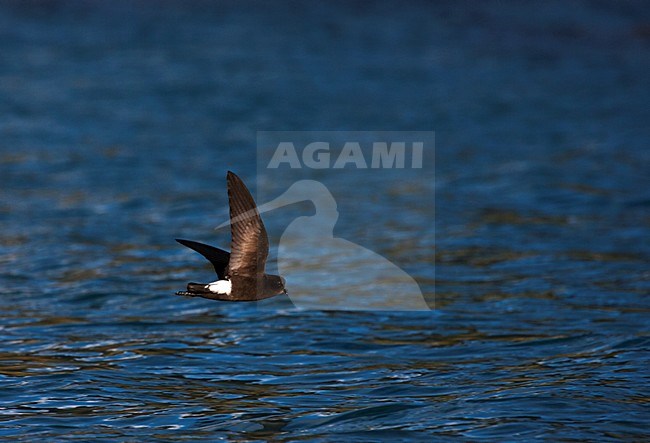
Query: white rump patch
[[220, 287]]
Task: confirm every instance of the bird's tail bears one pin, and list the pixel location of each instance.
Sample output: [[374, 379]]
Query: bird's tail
[[196, 287], [194, 290]]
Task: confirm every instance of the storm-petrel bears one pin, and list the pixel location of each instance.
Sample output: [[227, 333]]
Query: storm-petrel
[[241, 272]]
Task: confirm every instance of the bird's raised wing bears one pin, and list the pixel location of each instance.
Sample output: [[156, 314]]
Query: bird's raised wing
[[218, 257], [250, 243]]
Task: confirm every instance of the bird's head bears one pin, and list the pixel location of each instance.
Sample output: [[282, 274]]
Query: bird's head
[[276, 284]]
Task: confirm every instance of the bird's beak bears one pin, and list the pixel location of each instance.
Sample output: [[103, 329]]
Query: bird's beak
[[284, 291]]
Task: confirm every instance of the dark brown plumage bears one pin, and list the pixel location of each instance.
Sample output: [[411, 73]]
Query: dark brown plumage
[[244, 266]]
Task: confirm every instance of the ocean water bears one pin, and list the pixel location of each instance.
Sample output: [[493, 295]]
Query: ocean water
[[529, 238]]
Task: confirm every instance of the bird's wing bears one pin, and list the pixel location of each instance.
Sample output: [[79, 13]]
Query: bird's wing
[[218, 257], [250, 243]]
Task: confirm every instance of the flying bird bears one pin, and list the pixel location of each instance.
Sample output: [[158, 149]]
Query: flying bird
[[241, 271]]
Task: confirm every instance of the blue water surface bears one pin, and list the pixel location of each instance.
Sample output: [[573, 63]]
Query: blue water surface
[[530, 239]]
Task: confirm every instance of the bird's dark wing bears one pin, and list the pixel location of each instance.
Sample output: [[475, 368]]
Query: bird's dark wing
[[218, 257], [250, 244]]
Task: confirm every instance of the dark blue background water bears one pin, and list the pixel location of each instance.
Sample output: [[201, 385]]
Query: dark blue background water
[[118, 122]]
